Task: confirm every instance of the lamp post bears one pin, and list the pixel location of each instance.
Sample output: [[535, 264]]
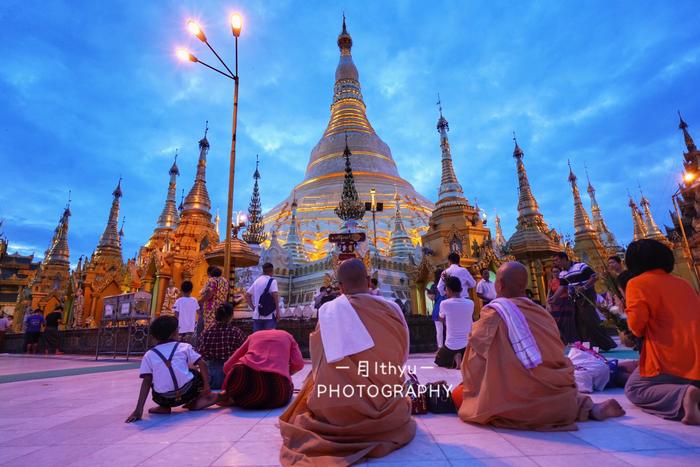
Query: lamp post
[[374, 207], [688, 177], [236, 22]]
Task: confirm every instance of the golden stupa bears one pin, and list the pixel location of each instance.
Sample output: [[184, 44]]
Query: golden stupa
[[372, 165]]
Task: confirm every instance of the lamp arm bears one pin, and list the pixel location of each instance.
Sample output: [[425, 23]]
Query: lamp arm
[[232, 74], [216, 70]]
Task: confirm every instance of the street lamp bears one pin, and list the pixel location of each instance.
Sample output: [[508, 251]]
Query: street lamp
[[374, 207], [196, 29]]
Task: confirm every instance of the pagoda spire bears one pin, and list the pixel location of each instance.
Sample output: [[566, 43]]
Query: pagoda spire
[[689, 143], [450, 189], [169, 217], [500, 240], [58, 252], [598, 222], [640, 230], [582, 223], [294, 245], [197, 200], [255, 233], [401, 245], [110, 242], [652, 230], [348, 111], [529, 214], [350, 209]]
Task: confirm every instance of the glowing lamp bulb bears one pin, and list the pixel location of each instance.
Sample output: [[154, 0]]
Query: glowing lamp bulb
[[196, 30], [688, 177], [236, 24], [183, 55]]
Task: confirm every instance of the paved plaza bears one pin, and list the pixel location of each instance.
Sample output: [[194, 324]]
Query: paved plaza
[[70, 410]]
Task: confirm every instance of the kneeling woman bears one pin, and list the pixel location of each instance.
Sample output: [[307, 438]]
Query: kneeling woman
[[258, 374], [457, 313], [662, 310]]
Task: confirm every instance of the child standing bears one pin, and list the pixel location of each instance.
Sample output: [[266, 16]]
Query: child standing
[[165, 368], [186, 308]]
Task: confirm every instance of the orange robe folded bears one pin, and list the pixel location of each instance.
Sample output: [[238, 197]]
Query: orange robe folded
[[324, 430], [498, 390]]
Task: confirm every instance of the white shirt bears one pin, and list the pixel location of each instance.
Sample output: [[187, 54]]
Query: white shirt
[[464, 277], [184, 357], [4, 323], [458, 320], [487, 289], [186, 309], [256, 290]]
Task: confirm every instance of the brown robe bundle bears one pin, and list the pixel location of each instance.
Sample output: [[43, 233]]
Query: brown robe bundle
[[499, 390], [318, 429]]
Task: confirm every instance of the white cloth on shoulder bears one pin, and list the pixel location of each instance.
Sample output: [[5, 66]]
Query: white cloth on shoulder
[[519, 333], [342, 331]]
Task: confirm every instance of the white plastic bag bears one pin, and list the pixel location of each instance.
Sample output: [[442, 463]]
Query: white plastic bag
[[590, 372]]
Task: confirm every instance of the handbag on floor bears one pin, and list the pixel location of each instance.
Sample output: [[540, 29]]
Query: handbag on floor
[[439, 398], [419, 403]]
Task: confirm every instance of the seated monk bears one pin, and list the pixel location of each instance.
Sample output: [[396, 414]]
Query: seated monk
[[356, 334], [515, 374]]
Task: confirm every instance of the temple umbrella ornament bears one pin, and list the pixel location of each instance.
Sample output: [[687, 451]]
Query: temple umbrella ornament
[[351, 209], [255, 232]]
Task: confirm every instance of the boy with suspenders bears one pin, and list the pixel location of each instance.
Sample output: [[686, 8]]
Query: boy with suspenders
[[166, 369]]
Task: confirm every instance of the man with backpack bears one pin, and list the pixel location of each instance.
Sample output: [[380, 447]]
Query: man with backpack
[[263, 297]]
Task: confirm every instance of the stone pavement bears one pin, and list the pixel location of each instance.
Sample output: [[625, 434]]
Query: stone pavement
[[65, 419]]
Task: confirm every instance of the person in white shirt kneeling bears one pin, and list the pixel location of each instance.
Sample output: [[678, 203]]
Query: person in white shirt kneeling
[[457, 313]]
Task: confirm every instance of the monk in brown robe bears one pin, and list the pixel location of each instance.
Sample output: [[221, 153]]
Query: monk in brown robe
[[351, 408], [500, 389]]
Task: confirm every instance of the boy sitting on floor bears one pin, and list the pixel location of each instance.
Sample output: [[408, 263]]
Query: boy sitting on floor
[[168, 368]]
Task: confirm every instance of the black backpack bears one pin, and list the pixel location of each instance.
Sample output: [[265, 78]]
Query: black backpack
[[266, 302]]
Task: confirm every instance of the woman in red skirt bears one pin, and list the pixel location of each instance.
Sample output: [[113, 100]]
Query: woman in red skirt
[[258, 374]]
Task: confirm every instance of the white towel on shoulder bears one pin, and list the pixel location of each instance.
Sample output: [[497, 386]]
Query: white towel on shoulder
[[342, 331], [519, 333]]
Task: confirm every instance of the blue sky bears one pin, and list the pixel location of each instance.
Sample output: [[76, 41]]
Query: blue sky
[[91, 91]]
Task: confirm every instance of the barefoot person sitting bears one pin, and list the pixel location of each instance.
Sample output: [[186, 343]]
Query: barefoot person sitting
[[662, 310], [165, 369], [359, 335], [515, 372]]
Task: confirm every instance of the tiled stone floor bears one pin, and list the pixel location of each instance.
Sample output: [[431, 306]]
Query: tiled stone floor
[[78, 420]]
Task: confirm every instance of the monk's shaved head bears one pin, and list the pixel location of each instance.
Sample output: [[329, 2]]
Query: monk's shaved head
[[352, 276], [511, 280]]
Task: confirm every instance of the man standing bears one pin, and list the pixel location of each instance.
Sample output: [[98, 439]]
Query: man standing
[[455, 270], [32, 330], [330, 423], [578, 279], [4, 326], [263, 297], [615, 265], [51, 336], [485, 289]]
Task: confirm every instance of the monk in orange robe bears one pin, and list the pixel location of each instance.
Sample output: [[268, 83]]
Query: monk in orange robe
[[515, 373], [351, 405]]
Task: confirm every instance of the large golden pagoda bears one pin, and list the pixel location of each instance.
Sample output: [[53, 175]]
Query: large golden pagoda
[[372, 166]]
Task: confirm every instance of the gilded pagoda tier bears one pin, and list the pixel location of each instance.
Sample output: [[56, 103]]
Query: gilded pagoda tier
[[316, 217]]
